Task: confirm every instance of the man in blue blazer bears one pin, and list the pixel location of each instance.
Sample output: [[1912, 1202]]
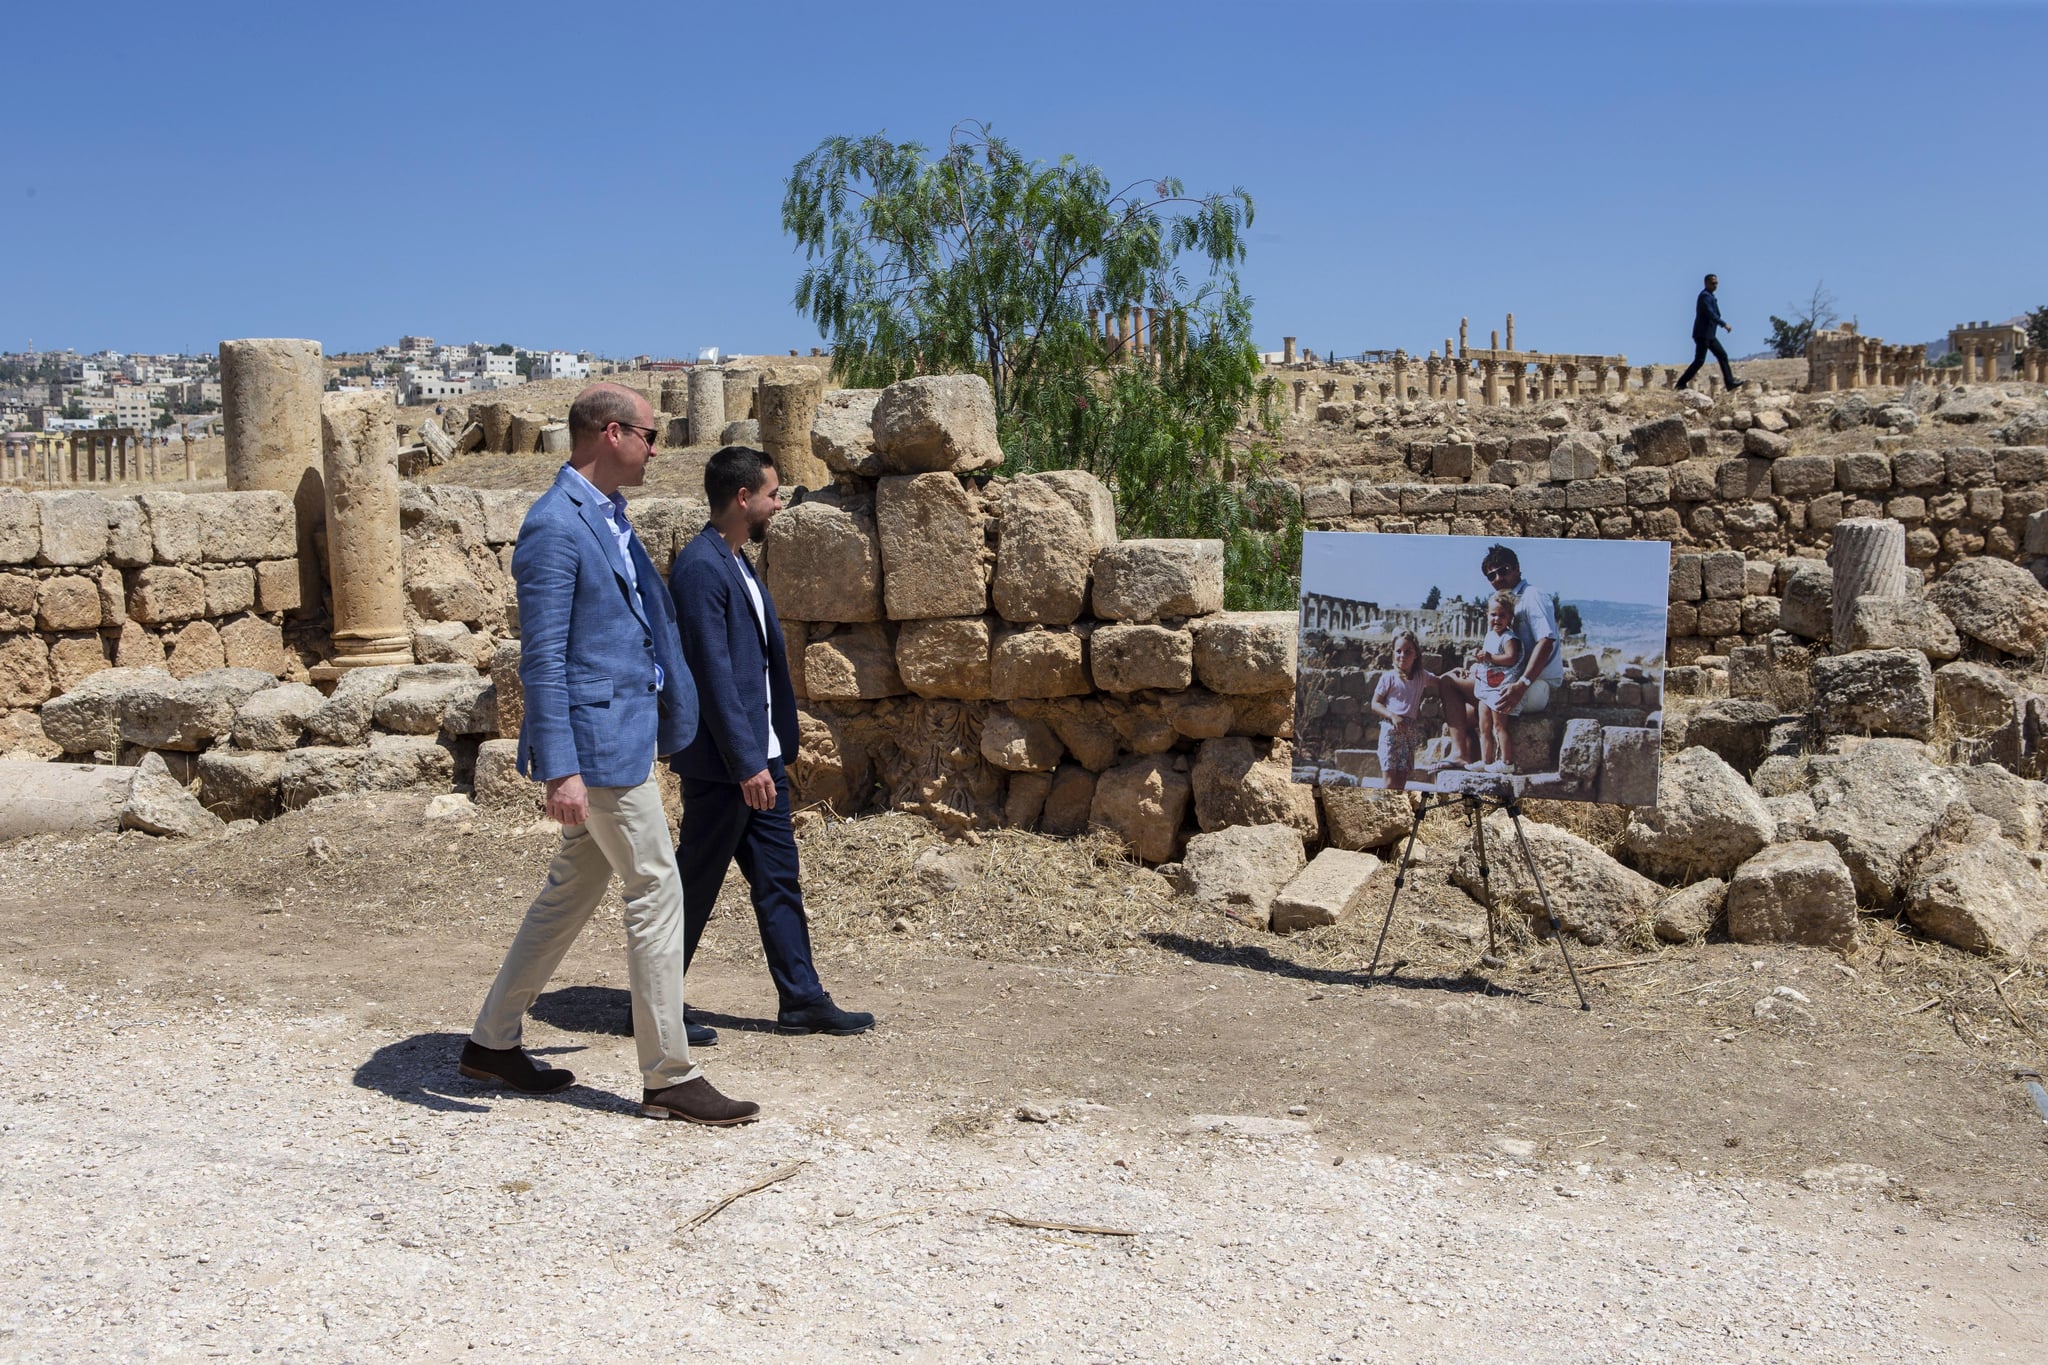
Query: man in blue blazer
[[735, 785], [1706, 316], [607, 692]]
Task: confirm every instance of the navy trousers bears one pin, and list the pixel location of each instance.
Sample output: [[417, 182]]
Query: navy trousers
[[719, 829], [1699, 358]]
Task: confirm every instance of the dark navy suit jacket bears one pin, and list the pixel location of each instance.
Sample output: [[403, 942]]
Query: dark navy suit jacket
[[589, 645], [1706, 316], [726, 648]]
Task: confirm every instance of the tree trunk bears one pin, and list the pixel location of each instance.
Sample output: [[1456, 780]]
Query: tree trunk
[[1868, 558]]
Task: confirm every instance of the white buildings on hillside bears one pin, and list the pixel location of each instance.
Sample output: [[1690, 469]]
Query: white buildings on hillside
[[559, 365]]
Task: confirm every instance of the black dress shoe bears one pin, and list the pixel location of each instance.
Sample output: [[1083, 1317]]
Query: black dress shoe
[[1735, 384], [822, 1016], [512, 1067], [699, 1033], [697, 1101]]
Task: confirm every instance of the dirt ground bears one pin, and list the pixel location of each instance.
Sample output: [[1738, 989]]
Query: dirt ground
[[234, 1128]]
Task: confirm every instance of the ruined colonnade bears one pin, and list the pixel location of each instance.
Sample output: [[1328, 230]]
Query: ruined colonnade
[[98, 455]]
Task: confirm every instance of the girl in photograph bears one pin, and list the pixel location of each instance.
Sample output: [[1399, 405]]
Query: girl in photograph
[[1494, 665], [1397, 701]]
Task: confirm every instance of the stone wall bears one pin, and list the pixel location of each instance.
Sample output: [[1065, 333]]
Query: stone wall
[[180, 582]]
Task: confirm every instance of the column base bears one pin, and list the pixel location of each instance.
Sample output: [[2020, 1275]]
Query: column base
[[380, 651]]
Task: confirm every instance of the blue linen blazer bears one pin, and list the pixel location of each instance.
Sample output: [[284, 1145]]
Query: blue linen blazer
[[589, 646], [726, 648]]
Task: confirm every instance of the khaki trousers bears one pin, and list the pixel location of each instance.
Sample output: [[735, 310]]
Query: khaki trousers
[[627, 834]]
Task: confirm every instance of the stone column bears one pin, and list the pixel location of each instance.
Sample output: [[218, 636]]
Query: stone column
[[1123, 332], [1511, 331], [185, 438], [1095, 324], [1548, 369], [1329, 390], [1518, 391], [365, 556], [788, 402], [1489, 384], [1868, 557], [1431, 369], [742, 389], [1400, 376], [1286, 350], [1460, 375], [1571, 376], [1300, 388], [270, 406], [675, 397], [707, 405]]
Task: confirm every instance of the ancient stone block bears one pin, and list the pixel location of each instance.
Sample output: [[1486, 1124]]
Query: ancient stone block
[[128, 540], [187, 715], [1882, 807], [1706, 820], [276, 717], [277, 585], [1068, 801], [1877, 692], [21, 527], [1053, 526], [244, 526], [67, 602], [1803, 476], [1902, 623], [24, 671], [1134, 657], [498, 781], [1663, 442], [1808, 609], [824, 563], [1325, 892], [74, 528], [240, 784], [1144, 580], [1864, 471], [931, 542], [1246, 652], [1238, 871], [945, 658], [1018, 745], [162, 595], [1038, 663], [854, 664], [1142, 801], [1239, 781], [343, 721], [1793, 893], [936, 423], [1985, 896], [1996, 602], [842, 432], [1628, 766], [227, 591]]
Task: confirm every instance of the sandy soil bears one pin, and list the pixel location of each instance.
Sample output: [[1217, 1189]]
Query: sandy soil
[[234, 1125]]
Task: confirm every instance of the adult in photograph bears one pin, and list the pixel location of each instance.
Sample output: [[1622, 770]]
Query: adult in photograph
[[734, 782], [607, 693], [1540, 666], [1706, 316]]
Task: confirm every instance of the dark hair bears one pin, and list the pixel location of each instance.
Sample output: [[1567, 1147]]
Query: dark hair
[[1710, 276], [597, 407], [730, 469], [1499, 556]]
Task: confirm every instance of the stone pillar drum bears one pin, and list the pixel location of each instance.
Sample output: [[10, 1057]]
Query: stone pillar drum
[[1489, 384], [1300, 387], [365, 555], [675, 397], [1460, 376], [788, 402], [1548, 370], [1868, 558], [270, 392], [742, 389], [1286, 350], [707, 405], [1400, 376], [1431, 368], [1511, 331]]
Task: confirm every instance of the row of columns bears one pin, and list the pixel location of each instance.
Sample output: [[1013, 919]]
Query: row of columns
[[1139, 331], [104, 455], [1320, 611]]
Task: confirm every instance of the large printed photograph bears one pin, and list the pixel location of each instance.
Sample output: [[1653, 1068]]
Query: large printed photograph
[[1440, 663]]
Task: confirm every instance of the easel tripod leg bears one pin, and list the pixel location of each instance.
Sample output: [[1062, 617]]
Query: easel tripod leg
[[1556, 929], [1400, 880]]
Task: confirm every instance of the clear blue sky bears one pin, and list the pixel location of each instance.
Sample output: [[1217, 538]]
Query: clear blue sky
[[180, 173], [1399, 570]]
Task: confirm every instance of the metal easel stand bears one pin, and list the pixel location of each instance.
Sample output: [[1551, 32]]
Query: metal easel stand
[[1476, 804]]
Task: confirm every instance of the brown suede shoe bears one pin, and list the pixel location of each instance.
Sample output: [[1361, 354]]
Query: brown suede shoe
[[695, 1101], [511, 1066]]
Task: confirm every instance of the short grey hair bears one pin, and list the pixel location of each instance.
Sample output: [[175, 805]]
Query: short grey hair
[[597, 407]]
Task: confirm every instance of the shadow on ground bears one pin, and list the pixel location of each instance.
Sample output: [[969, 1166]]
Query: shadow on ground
[[421, 1070]]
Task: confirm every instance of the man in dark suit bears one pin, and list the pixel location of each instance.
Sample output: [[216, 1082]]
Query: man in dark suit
[[735, 785], [1706, 316], [607, 692]]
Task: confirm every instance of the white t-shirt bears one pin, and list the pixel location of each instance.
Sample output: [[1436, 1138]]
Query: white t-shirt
[[761, 615]]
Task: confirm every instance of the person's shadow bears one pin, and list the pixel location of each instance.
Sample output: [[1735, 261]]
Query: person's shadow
[[421, 1070], [609, 1010]]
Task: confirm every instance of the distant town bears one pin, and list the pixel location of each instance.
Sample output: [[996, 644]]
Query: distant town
[[179, 395]]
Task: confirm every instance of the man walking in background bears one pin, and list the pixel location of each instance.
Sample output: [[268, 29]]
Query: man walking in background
[[735, 787], [1706, 316], [607, 692]]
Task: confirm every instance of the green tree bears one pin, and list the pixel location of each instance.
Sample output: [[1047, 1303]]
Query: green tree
[[503, 348], [1436, 595], [523, 365], [2037, 328], [1816, 313], [978, 260], [1568, 620]]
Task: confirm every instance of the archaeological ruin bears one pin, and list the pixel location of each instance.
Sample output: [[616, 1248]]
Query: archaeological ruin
[[1854, 593]]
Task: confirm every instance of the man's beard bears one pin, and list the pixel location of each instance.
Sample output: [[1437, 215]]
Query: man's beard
[[758, 532]]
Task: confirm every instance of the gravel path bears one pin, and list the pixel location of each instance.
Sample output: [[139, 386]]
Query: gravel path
[[186, 1182]]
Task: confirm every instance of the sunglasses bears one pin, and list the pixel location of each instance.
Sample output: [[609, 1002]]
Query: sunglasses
[[646, 434]]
